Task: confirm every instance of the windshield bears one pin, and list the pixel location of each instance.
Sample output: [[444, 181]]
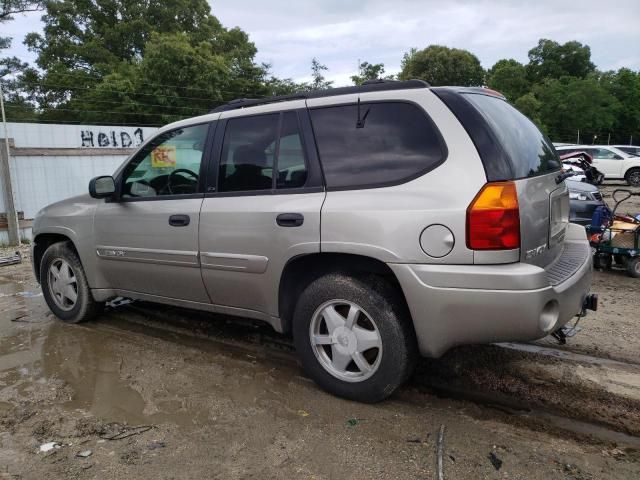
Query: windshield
[[530, 152]]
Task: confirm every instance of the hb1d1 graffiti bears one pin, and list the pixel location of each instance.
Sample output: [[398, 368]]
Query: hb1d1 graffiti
[[113, 139]]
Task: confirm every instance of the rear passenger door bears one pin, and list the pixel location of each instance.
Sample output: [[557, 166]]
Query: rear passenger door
[[262, 207]]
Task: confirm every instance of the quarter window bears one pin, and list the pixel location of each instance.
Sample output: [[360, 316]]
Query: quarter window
[[168, 165], [375, 144]]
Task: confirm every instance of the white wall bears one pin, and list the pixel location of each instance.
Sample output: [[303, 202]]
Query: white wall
[[43, 179]]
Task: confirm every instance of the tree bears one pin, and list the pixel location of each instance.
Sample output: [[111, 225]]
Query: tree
[[550, 59], [440, 65], [624, 85], [571, 104], [318, 82], [510, 78], [530, 106], [164, 59], [17, 107], [370, 71]]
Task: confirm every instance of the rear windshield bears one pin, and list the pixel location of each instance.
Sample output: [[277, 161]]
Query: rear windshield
[[527, 149]]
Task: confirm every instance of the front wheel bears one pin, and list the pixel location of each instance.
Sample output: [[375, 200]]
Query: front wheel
[[353, 336], [64, 285]]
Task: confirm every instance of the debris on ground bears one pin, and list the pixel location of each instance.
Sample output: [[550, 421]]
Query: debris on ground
[[46, 447], [440, 453], [614, 452], [127, 432], [156, 444], [352, 422], [495, 461], [84, 454], [11, 259]]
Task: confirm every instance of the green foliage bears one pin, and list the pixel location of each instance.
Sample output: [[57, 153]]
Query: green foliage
[[570, 104], [560, 90], [125, 61], [550, 59], [510, 78], [440, 65], [318, 82], [370, 71]]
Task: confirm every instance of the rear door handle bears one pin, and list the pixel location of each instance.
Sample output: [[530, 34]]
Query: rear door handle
[[290, 219], [179, 220]]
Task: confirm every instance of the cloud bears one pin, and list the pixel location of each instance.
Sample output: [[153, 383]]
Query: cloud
[[339, 33]]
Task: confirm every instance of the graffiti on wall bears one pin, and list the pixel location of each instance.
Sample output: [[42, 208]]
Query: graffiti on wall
[[114, 139]]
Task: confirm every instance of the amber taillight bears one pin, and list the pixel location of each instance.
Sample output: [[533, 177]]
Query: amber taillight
[[493, 218]]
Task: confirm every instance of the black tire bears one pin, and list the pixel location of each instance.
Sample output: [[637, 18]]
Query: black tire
[[633, 177], [384, 305], [85, 307], [633, 267], [602, 261]]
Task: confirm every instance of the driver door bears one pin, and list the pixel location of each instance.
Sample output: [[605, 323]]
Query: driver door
[[607, 162], [147, 239]]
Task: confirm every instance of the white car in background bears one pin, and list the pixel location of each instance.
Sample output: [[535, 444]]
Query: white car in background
[[613, 162]]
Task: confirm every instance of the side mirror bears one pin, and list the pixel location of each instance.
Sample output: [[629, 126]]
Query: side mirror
[[102, 187]]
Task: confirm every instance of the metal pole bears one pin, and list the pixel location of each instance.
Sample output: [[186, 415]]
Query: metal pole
[[578, 142], [5, 172], [608, 138]]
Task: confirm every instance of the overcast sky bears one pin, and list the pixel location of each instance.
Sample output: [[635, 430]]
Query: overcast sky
[[289, 33]]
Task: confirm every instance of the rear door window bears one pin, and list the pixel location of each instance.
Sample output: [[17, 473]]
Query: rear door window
[[528, 150], [262, 152], [376, 144]]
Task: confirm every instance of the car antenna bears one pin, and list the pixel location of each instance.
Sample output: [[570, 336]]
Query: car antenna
[[362, 119]]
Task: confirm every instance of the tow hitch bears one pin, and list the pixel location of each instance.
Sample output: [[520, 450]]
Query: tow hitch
[[590, 303]]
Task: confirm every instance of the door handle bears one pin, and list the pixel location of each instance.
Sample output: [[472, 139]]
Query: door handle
[[179, 220], [290, 219]]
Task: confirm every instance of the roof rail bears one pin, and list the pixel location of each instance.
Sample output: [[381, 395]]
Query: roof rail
[[368, 86]]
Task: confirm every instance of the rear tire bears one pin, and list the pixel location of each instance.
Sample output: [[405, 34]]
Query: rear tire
[[633, 267], [64, 285], [633, 177], [353, 336]]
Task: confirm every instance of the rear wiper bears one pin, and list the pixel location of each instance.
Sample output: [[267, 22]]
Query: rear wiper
[[563, 176], [361, 120]]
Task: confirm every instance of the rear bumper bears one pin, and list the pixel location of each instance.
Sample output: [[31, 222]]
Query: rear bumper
[[465, 304]]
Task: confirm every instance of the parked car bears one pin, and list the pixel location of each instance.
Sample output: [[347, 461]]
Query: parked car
[[632, 149], [582, 164], [373, 223], [614, 163], [584, 198]]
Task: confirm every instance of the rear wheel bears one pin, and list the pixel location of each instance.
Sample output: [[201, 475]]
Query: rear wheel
[[353, 338], [64, 285], [633, 177], [633, 267]]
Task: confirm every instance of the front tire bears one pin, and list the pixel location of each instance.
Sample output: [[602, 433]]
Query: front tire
[[64, 285], [353, 336]]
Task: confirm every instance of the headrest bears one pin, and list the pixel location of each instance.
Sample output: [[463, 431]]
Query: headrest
[[249, 155]]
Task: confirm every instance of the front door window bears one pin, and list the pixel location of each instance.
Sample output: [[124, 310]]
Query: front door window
[[168, 165]]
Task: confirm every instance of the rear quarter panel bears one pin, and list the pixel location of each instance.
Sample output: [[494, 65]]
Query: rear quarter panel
[[386, 223]]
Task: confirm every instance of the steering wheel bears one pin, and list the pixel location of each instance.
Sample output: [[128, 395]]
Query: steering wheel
[[172, 175]]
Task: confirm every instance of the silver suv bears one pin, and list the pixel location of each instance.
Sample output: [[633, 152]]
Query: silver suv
[[372, 223]]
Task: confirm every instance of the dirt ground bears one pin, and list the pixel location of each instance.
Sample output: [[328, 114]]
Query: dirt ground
[[154, 392]]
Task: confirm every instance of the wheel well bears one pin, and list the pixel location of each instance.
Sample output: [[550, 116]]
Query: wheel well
[[40, 245], [301, 271], [632, 169]]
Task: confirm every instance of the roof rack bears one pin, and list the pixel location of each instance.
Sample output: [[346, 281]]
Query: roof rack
[[367, 86]]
